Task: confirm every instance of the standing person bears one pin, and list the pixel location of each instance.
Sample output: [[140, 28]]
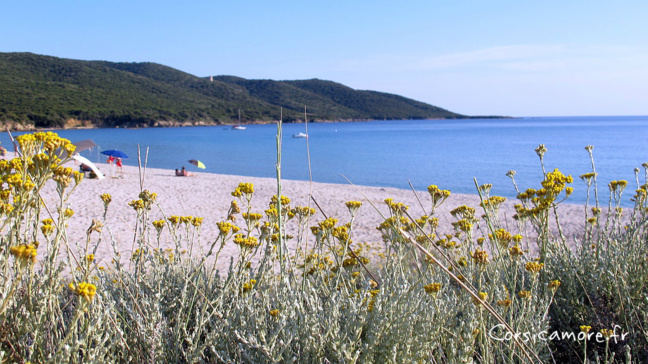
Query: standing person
[[110, 161], [119, 165]]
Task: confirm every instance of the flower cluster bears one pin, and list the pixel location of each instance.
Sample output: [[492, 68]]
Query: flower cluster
[[432, 288], [226, 227], [353, 206], [502, 237], [244, 189], [541, 200], [84, 290], [534, 267], [24, 253], [249, 242], [438, 195], [480, 257], [247, 286]]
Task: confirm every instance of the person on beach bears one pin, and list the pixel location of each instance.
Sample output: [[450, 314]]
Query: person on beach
[[186, 173], [110, 160], [119, 165]]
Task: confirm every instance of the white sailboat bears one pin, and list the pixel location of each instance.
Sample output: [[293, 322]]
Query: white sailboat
[[238, 126]]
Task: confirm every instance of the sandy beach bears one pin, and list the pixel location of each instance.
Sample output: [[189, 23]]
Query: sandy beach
[[208, 195]]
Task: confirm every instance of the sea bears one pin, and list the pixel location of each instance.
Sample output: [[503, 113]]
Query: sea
[[452, 154]]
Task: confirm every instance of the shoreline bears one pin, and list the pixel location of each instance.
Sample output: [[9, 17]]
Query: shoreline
[[208, 195], [15, 127]]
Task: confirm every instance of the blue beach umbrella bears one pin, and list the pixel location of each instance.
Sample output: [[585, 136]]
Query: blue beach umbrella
[[114, 153]]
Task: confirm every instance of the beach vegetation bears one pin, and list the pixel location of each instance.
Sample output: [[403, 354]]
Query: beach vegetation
[[483, 292]]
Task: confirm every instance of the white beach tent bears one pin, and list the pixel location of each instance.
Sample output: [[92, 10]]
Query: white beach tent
[[84, 160]]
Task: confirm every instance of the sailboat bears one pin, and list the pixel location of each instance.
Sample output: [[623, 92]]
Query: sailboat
[[300, 134], [238, 126]]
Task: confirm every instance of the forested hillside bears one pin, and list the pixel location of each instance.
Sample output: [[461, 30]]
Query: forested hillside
[[44, 91]]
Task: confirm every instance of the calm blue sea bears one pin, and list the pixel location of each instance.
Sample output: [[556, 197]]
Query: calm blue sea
[[448, 153]]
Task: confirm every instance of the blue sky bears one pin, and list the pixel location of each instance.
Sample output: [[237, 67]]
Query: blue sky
[[518, 58]]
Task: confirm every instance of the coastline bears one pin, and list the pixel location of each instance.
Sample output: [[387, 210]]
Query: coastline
[[77, 124]]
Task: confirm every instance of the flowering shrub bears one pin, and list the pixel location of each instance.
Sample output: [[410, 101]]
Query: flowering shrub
[[428, 296]]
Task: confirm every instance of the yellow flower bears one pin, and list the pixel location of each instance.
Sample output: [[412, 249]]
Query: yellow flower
[[585, 328], [482, 296], [148, 197], [438, 195], [47, 229], [246, 188], [493, 202], [502, 236], [432, 287], [462, 262], [607, 333], [534, 267], [274, 313], [553, 285], [618, 185], [480, 257], [106, 198], [353, 206], [253, 217], [90, 258], [328, 224], [137, 204], [247, 286], [6, 208], [84, 290], [174, 220], [504, 303], [24, 253], [225, 227], [516, 251], [304, 211], [159, 224], [246, 243], [463, 225], [525, 294], [196, 221], [284, 200]]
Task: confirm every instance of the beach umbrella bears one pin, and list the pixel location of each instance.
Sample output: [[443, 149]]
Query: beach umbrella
[[84, 160], [114, 153], [197, 163], [84, 145]]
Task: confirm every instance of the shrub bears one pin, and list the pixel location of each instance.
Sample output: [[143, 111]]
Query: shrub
[[472, 295]]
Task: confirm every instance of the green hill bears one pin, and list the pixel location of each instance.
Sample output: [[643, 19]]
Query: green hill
[[46, 91]]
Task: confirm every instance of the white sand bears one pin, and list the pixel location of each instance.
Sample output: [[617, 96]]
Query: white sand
[[209, 195]]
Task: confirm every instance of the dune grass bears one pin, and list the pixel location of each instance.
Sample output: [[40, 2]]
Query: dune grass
[[474, 295]]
